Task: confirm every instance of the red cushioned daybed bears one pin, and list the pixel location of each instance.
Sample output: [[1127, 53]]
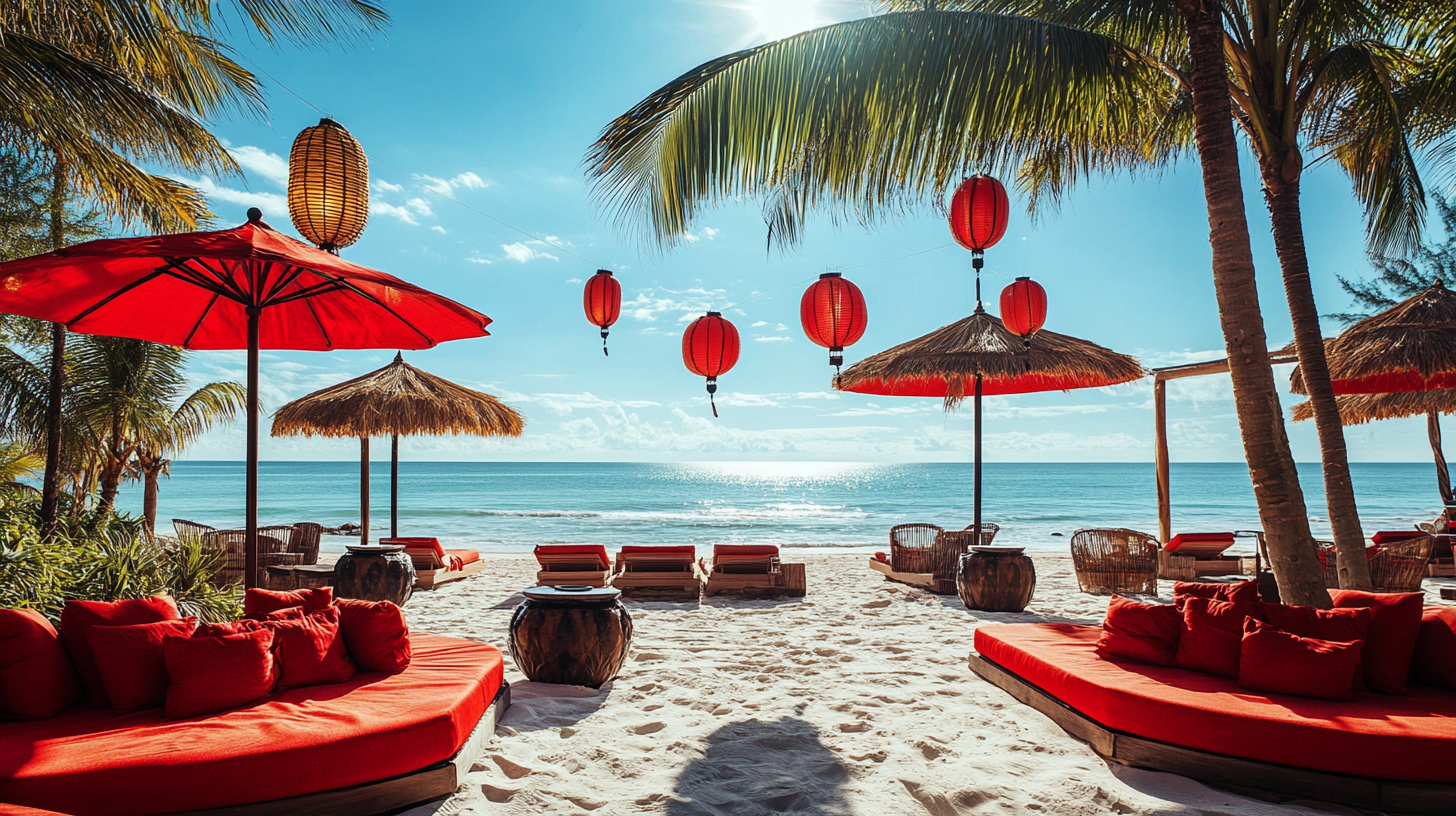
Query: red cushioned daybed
[[435, 565], [1395, 754], [375, 743]]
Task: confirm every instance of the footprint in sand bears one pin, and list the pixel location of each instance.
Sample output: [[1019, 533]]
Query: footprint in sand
[[854, 728], [647, 728], [497, 795], [511, 769], [876, 605], [567, 733]]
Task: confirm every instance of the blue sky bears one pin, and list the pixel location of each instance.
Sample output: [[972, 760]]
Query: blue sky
[[494, 105]]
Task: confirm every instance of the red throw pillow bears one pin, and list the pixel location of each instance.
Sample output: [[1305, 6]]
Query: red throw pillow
[[131, 663], [259, 602], [36, 677], [1147, 633], [211, 674], [376, 634], [1338, 625], [79, 616], [1241, 591], [1210, 637], [1271, 659], [311, 650], [1395, 624], [1434, 661], [291, 613], [227, 628]]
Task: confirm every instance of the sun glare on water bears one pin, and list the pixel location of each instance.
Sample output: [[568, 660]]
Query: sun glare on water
[[776, 19]]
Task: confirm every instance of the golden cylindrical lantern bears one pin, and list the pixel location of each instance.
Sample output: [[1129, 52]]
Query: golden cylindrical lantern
[[328, 186]]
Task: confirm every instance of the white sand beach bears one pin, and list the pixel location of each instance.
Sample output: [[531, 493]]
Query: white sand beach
[[854, 700]]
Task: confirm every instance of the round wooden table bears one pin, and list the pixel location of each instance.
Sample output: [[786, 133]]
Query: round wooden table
[[572, 635], [375, 573], [996, 579]]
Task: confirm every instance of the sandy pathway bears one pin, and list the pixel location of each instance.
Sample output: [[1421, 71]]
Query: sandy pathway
[[854, 700]]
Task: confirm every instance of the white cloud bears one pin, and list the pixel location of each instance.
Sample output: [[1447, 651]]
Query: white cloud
[[382, 186], [420, 206], [758, 323], [524, 252], [687, 303], [773, 339], [476, 259], [470, 181], [270, 166], [437, 185], [466, 181], [439, 229], [704, 234], [378, 206], [273, 205]]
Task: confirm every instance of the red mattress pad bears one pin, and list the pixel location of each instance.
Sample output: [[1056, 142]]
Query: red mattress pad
[[90, 761], [1410, 738]]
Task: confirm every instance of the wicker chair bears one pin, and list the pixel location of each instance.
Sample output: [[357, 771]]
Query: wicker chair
[[304, 541], [1400, 566], [912, 547], [191, 529], [1115, 561], [951, 545], [271, 543]]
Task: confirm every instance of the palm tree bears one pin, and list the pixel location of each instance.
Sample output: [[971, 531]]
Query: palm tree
[[99, 85], [172, 431], [873, 116]]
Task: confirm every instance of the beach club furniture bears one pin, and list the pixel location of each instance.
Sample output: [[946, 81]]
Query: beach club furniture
[[303, 541], [580, 564], [1190, 556], [389, 737], [1398, 560], [915, 558], [1375, 752], [272, 546], [1115, 561], [191, 529], [435, 565], [1442, 563], [572, 635], [375, 572], [753, 569], [658, 570], [996, 579]]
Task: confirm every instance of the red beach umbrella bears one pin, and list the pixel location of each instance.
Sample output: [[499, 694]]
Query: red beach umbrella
[[243, 288], [602, 300], [1409, 347], [978, 356], [710, 348]]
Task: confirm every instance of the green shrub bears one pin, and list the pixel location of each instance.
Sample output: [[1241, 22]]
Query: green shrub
[[102, 557]]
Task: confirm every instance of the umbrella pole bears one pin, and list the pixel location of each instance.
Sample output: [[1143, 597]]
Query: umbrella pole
[[364, 490], [394, 486], [1443, 475], [250, 540], [977, 539]]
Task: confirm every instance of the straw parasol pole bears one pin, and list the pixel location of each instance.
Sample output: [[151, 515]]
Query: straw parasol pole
[[1357, 409], [977, 357], [397, 400]]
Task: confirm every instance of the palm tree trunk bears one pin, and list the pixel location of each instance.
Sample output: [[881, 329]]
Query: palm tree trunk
[[152, 481], [1261, 422], [1281, 173], [50, 493], [1443, 475]]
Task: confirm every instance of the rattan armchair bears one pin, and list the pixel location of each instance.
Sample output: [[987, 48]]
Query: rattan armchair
[[191, 529], [1401, 566], [1115, 561], [912, 547], [951, 545], [304, 541], [271, 543]]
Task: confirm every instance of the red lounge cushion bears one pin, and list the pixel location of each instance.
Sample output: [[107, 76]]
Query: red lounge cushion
[[36, 677], [1136, 631], [687, 551], [1434, 661], [1211, 635], [1395, 624], [131, 663], [882, 558], [426, 546], [745, 550], [1408, 738], [310, 650], [1244, 591], [375, 726], [211, 674], [462, 557], [376, 634], [1274, 660], [1392, 536], [79, 616], [1200, 544], [259, 602], [562, 553]]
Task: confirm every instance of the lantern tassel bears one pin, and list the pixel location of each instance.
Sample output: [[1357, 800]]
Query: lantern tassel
[[713, 389], [604, 343]]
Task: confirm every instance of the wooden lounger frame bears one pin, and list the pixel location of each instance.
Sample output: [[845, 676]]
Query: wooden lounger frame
[[591, 578], [686, 584], [1260, 780], [781, 579], [388, 795], [431, 578], [924, 580]]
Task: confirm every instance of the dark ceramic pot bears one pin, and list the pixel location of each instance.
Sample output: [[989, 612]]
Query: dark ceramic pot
[[992, 581], [571, 635], [374, 576]]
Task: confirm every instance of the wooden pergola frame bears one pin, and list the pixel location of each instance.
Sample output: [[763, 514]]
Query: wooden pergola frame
[[1161, 376]]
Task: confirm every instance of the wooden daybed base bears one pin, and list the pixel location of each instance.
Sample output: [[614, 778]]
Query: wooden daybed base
[[924, 580], [1258, 780], [431, 578], [442, 779]]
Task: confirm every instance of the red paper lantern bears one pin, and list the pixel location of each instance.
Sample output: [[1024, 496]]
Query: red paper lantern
[[978, 214], [1023, 308], [833, 314], [710, 348], [603, 302]]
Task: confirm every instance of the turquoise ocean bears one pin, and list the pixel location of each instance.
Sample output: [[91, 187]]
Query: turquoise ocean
[[511, 507]]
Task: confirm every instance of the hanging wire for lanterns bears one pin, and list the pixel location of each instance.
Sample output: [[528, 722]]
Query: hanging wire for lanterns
[[328, 186], [978, 216]]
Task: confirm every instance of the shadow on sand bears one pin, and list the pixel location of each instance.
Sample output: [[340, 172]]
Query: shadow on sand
[[755, 767]]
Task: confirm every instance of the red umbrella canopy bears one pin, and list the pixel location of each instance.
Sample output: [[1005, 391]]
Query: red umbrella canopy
[[194, 290], [945, 364]]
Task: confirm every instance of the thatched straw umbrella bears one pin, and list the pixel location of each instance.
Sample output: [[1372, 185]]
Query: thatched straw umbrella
[[1409, 347], [1357, 409], [978, 357], [397, 400]]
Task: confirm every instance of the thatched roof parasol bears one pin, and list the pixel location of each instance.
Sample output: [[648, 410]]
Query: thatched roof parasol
[[1408, 347], [398, 399], [1357, 409], [945, 363]]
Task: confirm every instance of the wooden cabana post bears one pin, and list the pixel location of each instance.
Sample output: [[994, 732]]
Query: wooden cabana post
[[1160, 426]]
